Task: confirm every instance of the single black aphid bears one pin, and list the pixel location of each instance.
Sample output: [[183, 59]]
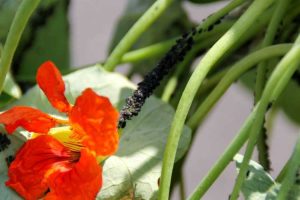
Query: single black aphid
[[9, 160], [145, 88], [4, 142], [247, 173]]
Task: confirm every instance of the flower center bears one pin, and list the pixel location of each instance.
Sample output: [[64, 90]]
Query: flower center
[[64, 135]]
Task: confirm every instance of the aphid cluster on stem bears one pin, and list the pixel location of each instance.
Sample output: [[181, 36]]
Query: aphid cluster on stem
[[145, 88]]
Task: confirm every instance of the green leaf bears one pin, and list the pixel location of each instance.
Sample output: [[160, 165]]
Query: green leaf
[[135, 169], [259, 185]]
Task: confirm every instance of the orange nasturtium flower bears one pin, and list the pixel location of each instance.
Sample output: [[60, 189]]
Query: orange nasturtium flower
[[61, 161]]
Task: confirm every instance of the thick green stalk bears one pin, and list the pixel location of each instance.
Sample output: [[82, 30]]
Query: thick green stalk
[[208, 61], [20, 20], [278, 80], [290, 175], [232, 75], [261, 77], [277, 16], [135, 31]]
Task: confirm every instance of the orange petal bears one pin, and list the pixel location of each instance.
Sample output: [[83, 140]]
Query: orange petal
[[94, 119], [29, 118], [82, 182], [50, 81], [34, 161]]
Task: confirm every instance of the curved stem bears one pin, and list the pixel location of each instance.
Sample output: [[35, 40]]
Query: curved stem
[[232, 75], [261, 77], [134, 33], [279, 11], [274, 87], [236, 71], [21, 18], [208, 61], [147, 52]]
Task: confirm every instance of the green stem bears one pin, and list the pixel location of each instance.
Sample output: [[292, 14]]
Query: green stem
[[232, 75], [236, 71], [289, 178], [181, 186], [278, 80], [277, 16], [209, 60], [260, 24], [280, 8], [148, 52], [21, 18], [135, 31]]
